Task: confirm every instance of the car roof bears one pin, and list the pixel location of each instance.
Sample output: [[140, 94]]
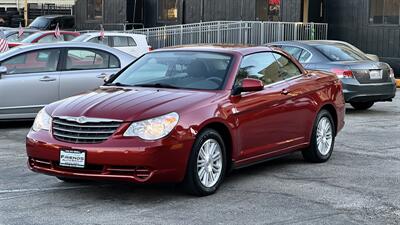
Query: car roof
[[223, 48], [55, 16], [311, 42], [112, 33], [24, 48]]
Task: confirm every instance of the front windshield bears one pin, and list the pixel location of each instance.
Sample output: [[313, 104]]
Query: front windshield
[[340, 52], [14, 37], [40, 23], [177, 69]]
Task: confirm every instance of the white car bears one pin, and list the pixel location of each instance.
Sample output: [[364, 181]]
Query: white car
[[133, 44]]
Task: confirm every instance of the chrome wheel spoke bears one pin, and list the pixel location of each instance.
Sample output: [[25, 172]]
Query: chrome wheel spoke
[[324, 137], [209, 163]]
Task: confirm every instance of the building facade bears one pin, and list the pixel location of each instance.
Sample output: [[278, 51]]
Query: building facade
[[371, 25], [20, 3]]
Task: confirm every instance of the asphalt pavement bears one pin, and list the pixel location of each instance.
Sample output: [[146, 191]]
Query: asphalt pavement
[[359, 185]]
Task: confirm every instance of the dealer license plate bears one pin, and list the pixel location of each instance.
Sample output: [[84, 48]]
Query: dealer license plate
[[375, 74], [72, 158]]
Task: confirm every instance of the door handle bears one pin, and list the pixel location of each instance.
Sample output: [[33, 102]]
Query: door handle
[[47, 79], [101, 76], [285, 92]]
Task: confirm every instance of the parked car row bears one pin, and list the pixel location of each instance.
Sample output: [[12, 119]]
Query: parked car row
[[133, 44], [187, 115]]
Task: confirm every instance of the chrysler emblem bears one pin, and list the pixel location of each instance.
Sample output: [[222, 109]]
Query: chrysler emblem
[[81, 119]]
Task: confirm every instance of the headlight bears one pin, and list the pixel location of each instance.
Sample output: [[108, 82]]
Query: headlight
[[42, 121], [153, 129]]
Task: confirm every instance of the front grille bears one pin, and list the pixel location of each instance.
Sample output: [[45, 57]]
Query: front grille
[[90, 132]]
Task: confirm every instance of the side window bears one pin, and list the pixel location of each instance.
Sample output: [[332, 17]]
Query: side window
[[114, 62], [304, 57], [120, 41], [50, 39], [87, 59], [97, 40], [40, 61], [131, 42], [287, 68], [13, 38], [294, 51], [262, 66], [68, 37]]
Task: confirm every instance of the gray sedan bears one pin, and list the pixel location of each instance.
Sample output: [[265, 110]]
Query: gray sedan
[[32, 76], [364, 80]]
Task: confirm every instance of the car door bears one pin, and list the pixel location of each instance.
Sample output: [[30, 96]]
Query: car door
[[262, 116], [126, 44], [31, 81], [85, 69], [300, 88]]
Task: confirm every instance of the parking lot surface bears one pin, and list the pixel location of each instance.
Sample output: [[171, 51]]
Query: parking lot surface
[[359, 185]]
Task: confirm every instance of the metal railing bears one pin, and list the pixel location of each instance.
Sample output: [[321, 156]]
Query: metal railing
[[233, 32]]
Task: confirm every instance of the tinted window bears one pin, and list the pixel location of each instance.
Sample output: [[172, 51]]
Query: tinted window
[[50, 39], [340, 53], [121, 41], [261, 66], [287, 68], [131, 42], [98, 40], [294, 51], [68, 37], [33, 62], [305, 56], [84, 59], [40, 23], [114, 62], [190, 70], [384, 12]]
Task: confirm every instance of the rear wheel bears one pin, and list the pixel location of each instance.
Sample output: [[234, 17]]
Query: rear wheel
[[362, 105], [322, 140], [207, 163]]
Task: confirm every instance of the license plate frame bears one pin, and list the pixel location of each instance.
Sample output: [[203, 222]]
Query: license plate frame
[[375, 74], [72, 158]]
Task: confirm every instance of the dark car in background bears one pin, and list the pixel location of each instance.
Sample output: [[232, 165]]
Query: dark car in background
[[364, 81], [49, 22]]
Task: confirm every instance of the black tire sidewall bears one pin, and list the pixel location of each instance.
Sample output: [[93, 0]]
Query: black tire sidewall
[[192, 167], [362, 105]]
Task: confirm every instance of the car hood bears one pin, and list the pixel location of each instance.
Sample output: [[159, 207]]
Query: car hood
[[129, 104]]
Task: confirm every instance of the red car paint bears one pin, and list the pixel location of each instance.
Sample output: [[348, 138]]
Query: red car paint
[[43, 34], [256, 125]]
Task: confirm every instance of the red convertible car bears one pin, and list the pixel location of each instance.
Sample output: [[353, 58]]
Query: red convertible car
[[190, 115]]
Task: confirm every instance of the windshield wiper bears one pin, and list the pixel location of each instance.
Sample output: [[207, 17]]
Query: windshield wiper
[[157, 85], [118, 84]]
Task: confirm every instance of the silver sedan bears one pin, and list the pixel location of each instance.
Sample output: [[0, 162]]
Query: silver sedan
[[32, 76]]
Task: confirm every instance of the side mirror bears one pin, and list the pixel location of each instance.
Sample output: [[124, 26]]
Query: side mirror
[[249, 85], [107, 78], [3, 70]]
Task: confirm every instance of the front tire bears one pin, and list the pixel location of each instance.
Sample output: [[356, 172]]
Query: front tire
[[362, 105], [207, 164], [322, 140]]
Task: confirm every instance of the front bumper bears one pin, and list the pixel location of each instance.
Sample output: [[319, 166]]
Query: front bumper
[[123, 159], [353, 91]]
